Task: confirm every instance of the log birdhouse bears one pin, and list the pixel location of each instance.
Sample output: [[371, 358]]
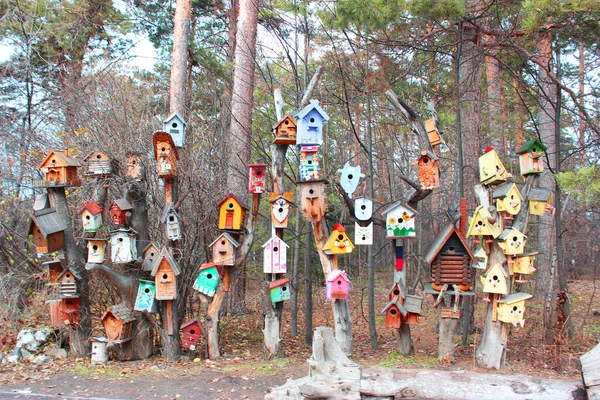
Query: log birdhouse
[[309, 163], [134, 166], [310, 124], [47, 229], [363, 235], [146, 296], [524, 264], [337, 286], [257, 178], [285, 130], [450, 259], [151, 253], [96, 250], [174, 125], [123, 248], [91, 217], [119, 210], [495, 280], [191, 333], [530, 157], [68, 282], [433, 132], [166, 155], [429, 170], [338, 242], [98, 164], [539, 199], [483, 223], [280, 290], [59, 170], [491, 169], [171, 219], [512, 241], [400, 221], [508, 198], [349, 178], [64, 312], [118, 323], [165, 272], [274, 256], [232, 213], [313, 199], [280, 208], [208, 279], [511, 308], [363, 208], [223, 249]]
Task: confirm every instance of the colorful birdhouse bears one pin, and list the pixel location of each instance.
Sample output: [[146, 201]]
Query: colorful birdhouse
[[309, 163], [337, 286], [530, 157], [165, 272], [508, 199], [483, 224], [429, 170], [134, 166], [482, 258], [64, 312], [146, 296], [47, 229], [91, 217], [256, 178], [208, 279], [495, 280], [363, 235], [310, 124], [174, 125], [192, 331], [338, 242], [223, 249], [59, 170], [363, 208], [119, 211], [491, 169], [151, 253], [166, 155], [280, 208], [524, 264], [313, 199], [232, 213], [400, 221], [96, 250], [118, 323], [433, 132], [539, 199], [274, 256], [97, 164], [285, 130], [511, 308], [349, 178], [280, 290], [123, 248], [512, 241], [68, 282], [171, 220]]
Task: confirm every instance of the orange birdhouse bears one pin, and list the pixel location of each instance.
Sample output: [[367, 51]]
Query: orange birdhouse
[[59, 170], [429, 170], [433, 132], [134, 166], [118, 323], [313, 199], [165, 272], [165, 154], [64, 312], [47, 229], [285, 130]]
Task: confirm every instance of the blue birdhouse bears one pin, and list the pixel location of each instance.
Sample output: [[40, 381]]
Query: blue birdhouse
[[310, 124], [174, 125], [280, 290], [208, 279]]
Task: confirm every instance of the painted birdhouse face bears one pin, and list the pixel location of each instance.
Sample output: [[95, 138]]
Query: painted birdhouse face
[[208, 280], [481, 226], [524, 264], [400, 222], [257, 178], [337, 286], [349, 178], [309, 163], [363, 208], [310, 124], [285, 131], [512, 242], [280, 207], [96, 251], [491, 169], [338, 242], [313, 200], [223, 250], [429, 171], [363, 235], [175, 126], [232, 214], [494, 280], [511, 308], [122, 247], [508, 198], [145, 297], [274, 256]]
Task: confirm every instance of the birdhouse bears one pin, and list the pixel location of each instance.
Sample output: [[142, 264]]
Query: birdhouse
[[349, 178], [450, 259], [337, 286], [429, 170], [171, 220], [363, 208], [512, 307], [433, 132], [491, 169], [394, 311], [256, 178], [524, 264], [400, 221], [47, 228], [413, 305], [68, 282], [313, 199], [99, 350], [508, 199], [538, 198], [363, 235], [280, 290], [146, 296], [208, 279], [59, 170], [280, 208], [483, 224], [232, 213], [482, 258], [151, 253], [274, 259], [494, 280], [123, 248], [118, 323], [175, 126], [223, 249], [134, 166], [96, 250], [310, 124], [52, 269], [512, 241], [192, 331], [285, 130], [91, 217], [398, 291], [64, 312], [165, 154], [338, 242], [165, 272], [530, 157], [119, 210], [309, 163], [98, 164]]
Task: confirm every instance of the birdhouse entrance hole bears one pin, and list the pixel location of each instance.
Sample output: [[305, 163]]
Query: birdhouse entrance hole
[[87, 217], [230, 205], [209, 276], [147, 290], [396, 292], [222, 243], [120, 239], [363, 207], [426, 160], [275, 249], [339, 282], [283, 289], [393, 312], [280, 209], [514, 239], [162, 148], [174, 124], [514, 308], [171, 218], [192, 332], [95, 247], [98, 156], [340, 237], [165, 276], [451, 248], [311, 191], [350, 176]]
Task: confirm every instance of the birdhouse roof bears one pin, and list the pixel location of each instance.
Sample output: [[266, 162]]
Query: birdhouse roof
[[282, 120], [337, 273], [258, 165], [41, 202], [122, 204], [313, 105], [287, 196], [48, 220], [126, 231], [169, 208], [514, 298], [313, 148], [363, 198], [160, 136], [120, 311], [398, 205], [207, 265], [497, 267], [398, 305], [530, 144], [447, 231], [428, 153], [504, 189], [413, 304], [173, 116], [151, 244], [191, 323], [273, 238], [401, 287], [76, 274], [103, 155], [228, 237], [279, 282], [96, 239], [92, 207], [508, 232], [63, 160], [57, 260], [539, 194], [232, 196], [165, 254]]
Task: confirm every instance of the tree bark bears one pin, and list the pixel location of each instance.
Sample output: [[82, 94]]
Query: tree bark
[[181, 40]]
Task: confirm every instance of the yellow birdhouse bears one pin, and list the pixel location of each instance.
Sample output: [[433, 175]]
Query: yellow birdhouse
[[494, 280], [232, 213], [538, 198], [491, 169], [338, 242], [512, 241], [508, 199], [483, 224], [524, 264], [512, 307]]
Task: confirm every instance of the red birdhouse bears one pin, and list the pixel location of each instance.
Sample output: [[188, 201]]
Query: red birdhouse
[[64, 312], [256, 178], [120, 209], [192, 331]]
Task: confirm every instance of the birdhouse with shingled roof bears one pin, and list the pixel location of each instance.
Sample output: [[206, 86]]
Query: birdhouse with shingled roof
[[511, 308], [338, 242], [59, 170], [191, 333], [96, 250], [118, 323], [275, 256], [495, 280], [223, 249], [337, 286], [512, 241], [508, 198], [123, 248], [98, 164], [530, 157], [47, 229], [309, 123], [400, 221], [171, 219], [165, 154], [429, 170], [165, 272], [491, 169], [91, 217], [119, 211], [174, 125], [285, 130], [280, 290], [208, 279], [257, 174], [280, 209], [232, 213], [313, 199]]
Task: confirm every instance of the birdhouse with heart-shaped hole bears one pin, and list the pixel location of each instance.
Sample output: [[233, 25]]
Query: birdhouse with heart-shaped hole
[[223, 249], [363, 235], [512, 241], [309, 122], [483, 223], [491, 169], [309, 163], [400, 221], [511, 308], [539, 200], [433, 132], [508, 198], [150, 253], [232, 213], [134, 166], [91, 217], [257, 178], [123, 248], [524, 264], [165, 272], [337, 286], [60, 170], [349, 178], [429, 170], [98, 164], [274, 256], [338, 242], [119, 211], [495, 280], [285, 130], [192, 332], [530, 157], [165, 154], [174, 125], [146, 296], [171, 219], [363, 208], [280, 208], [313, 200], [280, 290], [96, 250], [208, 279]]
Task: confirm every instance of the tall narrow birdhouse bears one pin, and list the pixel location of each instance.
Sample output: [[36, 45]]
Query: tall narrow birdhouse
[[512, 241], [508, 198], [337, 286], [280, 290], [47, 229], [511, 308], [280, 208], [118, 323], [524, 264], [223, 249], [165, 154], [483, 223], [274, 256], [429, 170], [96, 250], [123, 248], [68, 282], [208, 279], [64, 312], [310, 124], [134, 166], [285, 130], [151, 253], [174, 125], [119, 211], [98, 164], [91, 217], [59, 170], [400, 221], [165, 272], [349, 178], [363, 235], [338, 242], [309, 163], [146, 296], [232, 213], [257, 175], [99, 353], [530, 157], [363, 208], [433, 132], [495, 280], [491, 169], [313, 199], [192, 331], [539, 199], [170, 218]]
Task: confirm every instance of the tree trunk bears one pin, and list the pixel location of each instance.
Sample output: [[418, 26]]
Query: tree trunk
[[181, 40], [404, 343], [496, 133], [308, 334]]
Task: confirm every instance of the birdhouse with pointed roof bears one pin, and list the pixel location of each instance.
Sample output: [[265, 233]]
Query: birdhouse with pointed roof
[[394, 311], [68, 282], [349, 178], [52, 269], [313, 200], [150, 253], [134, 166], [47, 229], [191, 333], [402, 311], [309, 123], [171, 219], [59, 170], [123, 248], [400, 221], [146, 297], [539, 199], [64, 312], [96, 250], [165, 154], [511, 308], [433, 132], [338, 242], [257, 175], [337, 286], [495, 280], [285, 130], [275, 256], [208, 279], [223, 249], [91, 217], [398, 291], [530, 157], [280, 290], [363, 208], [119, 211], [429, 170], [363, 235], [118, 323], [232, 213], [309, 163], [512, 241], [98, 164], [174, 125], [165, 272], [483, 224], [491, 169], [482, 258], [508, 198], [280, 209], [524, 264]]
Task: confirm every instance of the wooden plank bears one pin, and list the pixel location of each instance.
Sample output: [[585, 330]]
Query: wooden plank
[[495, 307], [590, 367], [169, 316]]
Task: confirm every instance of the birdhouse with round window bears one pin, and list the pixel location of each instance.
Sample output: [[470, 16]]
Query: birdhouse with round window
[[98, 164], [495, 280], [530, 157], [96, 250], [363, 235], [491, 169], [393, 314], [309, 163], [68, 282], [337, 286], [285, 130], [338, 242], [166, 155], [483, 223], [91, 217], [539, 201], [47, 229], [191, 333], [165, 272], [223, 249], [280, 290], [232, 213], [309, 123], [257, 178], [59, 170], [134, 167], [146, 296], [274, 256], [64, 312], [511, 308], [170, 218], [400, 221], [313, 200], [280, 208], [150, 253], [208, 279], [512, 241], [174, 125], [508, 198], [349, 178], [123, 248], [119, 211], [363, 208], [429, 170]]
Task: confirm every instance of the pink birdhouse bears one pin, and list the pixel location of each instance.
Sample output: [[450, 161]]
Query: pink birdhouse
[[256, 178], [275, 252], [338, 285]]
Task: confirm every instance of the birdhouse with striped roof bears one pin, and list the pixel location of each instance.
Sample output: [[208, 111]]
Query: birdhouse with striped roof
[[91, 217], [338, 242]]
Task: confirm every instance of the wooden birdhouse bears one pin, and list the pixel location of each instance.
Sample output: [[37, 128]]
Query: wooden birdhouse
[[68, 282], [363, 235], [280, 290], [398, 291], [280, 208], [99, 353], [119, 210], [511, 308], [338, 242], [123, 248], [539, 199], [165, 272], [59, 170], [524, 264], [47, 229], [232, 213], [400, 221], [349, 178], [482, 258], [337, 286], [433, 132], [52, 269], [134, 166], [208, 279], [491, 169], [91, 217], [285, 130], [274, 256], [171, 220], [166, 155], [495, 280], [192, 331], [363, 208], [98, 164], [512, 241], [483, 223], [256, 178], [151, 253], [223, 249], [118, 323], [429, 170], [508, 198], [310, 124], [174, 125], [96, 250], [64, 312], [146, 296], [530, 157], [450, 259], [313, 199], [413, 305], [393, 314], [309, 163]]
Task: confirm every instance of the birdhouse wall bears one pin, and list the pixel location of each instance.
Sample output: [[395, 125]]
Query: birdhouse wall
[[64, 310], [393, 318], [280, 293], [411, 319], [537, 207], [232, 216], [175, 126], [530, 165], [91, 223], [310, 129], [144, 300], [524, 265], [207, 281], [494, 281], [166, 282], [363, 235], [279, 213], [338, 289], [52, 243], [96, 252], [512, 313], [98, 164], [191, 335], [223, 252], [134, 168], [313, 200], [166, 167], [275, 257], [400, 224], [363, 208], [257, 178], [452, 265]]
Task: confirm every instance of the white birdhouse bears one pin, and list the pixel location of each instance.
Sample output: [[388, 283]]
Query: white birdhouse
[[363, 235], [310, 124], [122, 246], [171, 220], [175, 126], [363, 208], [275, 252], [96, 250], [350, 176]]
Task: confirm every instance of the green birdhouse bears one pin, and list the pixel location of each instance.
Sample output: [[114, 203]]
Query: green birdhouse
[[145, 297], [280, 290], [208, 279]]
